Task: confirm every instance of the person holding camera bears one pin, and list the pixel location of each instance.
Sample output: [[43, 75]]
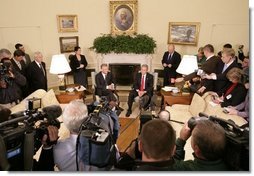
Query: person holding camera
[[208, 143], [156, 143], [11, 81]]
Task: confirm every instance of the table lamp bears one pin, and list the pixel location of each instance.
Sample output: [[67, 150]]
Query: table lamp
[[189, 64], [60, 66]]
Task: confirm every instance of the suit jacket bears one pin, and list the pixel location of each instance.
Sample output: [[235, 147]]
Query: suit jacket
[[16, 67], [35, 77], [222, 79], [28, 59], [74, 62], [175, 61], [101, 83], [236, 97], [209, 66], [148, 83]]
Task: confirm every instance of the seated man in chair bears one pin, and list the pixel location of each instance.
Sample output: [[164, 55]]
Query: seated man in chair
[[143, 88], [105, 85]]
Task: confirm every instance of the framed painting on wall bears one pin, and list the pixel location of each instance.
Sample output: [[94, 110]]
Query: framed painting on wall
[[123, 16], [67, 44], [183, 33], [67, 23]]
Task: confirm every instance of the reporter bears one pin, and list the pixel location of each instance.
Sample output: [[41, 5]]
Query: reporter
[[208, 143], [156, 143], [65, 150]]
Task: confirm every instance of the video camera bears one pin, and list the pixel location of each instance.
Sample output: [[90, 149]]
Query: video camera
[[21, 134], [4, 73], [237, 146]]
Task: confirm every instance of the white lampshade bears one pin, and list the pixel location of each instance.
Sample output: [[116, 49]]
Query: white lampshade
[[59, 65], [188, 65]]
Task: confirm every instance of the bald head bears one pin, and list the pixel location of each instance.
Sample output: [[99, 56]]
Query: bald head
[[171, 48]]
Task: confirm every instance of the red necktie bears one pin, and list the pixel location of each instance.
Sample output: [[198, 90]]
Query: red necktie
[[230, 89], [142, 83]]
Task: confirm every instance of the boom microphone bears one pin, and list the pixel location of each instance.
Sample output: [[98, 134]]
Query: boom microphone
[[53, 111]]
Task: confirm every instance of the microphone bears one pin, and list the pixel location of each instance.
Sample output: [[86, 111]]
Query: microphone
[[4, 114], [52, 112], [201, 114]]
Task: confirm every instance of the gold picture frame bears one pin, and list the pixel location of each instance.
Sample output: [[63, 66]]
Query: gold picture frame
[[67, 23], [183, 33], [123, 16], [67, 44]]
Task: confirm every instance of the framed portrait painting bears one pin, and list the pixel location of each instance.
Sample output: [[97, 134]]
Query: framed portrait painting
[[183, 33], [67, 44], [123, 15], [67, 23]]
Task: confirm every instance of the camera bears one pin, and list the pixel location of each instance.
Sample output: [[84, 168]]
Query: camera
[[237, 141], [21, 134], [4, 73]]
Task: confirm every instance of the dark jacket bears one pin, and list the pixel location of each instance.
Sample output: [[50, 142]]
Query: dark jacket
[[148, 83], [196, 164], [16, 67], [75, 63], [175, 61], [222, 79], [209, 66], [101, 83], [35, 77], [12, 92], [236, 97]]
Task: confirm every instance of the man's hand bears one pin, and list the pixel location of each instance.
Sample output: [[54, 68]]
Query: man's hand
[[81, 66], [201, 89], [52, 135], [141, 93], [211, 76], [169, 65], [165, 65], [185, 132]]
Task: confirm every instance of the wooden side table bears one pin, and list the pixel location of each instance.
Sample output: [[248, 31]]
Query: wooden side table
[[65, 97], [170, 98]]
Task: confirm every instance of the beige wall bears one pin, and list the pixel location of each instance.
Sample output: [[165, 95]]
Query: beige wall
[[33, 23]]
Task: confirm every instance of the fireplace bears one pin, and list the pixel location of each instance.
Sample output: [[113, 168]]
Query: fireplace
[[124, 74]]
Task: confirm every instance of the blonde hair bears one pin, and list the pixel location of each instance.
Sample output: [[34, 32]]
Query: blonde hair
[[235, 73], [229, 52]]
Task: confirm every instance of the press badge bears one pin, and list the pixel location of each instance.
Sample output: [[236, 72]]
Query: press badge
[[228, 97]]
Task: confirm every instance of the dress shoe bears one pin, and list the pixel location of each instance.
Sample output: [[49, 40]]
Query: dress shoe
[[128, 113]]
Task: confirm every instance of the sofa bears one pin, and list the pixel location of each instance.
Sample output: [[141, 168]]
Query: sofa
[[201, 104]]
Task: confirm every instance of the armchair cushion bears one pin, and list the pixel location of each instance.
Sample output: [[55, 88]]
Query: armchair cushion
[[197, 105]]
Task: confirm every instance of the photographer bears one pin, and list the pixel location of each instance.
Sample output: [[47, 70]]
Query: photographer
[[10, 81], [156, 143], [65, 150], [208, 143]]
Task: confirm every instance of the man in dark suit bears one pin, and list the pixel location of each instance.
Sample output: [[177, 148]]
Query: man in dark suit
[[170, 61], [26, 56], [143, 87], [17, 62], [36, 73], [208, 67], [226, 63], [19, 65], [105, 83]]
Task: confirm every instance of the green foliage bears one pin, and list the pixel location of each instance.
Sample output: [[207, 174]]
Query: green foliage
[[138, 44]]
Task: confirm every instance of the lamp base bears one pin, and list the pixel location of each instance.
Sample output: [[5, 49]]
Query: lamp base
[[62, 88]]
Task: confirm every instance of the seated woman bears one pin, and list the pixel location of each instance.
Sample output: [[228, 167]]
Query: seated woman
[[242, 109], [234, 93]]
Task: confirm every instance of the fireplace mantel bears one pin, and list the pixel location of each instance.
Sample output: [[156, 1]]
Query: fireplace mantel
[[125, 59]]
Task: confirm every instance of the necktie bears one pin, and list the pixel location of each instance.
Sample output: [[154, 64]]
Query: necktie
[[19, 65], [224, 68], [142, 83], [42, 69], [169, 57]]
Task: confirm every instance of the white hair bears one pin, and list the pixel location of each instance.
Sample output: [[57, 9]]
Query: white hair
[[74, 114], [164, 115]]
